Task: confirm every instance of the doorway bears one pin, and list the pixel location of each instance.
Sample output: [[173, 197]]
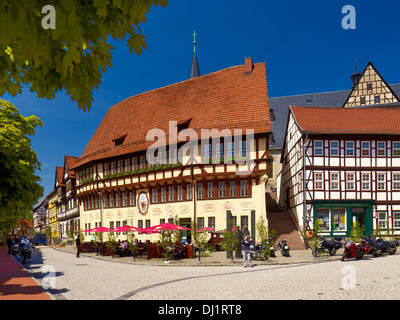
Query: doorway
[[358, 216]]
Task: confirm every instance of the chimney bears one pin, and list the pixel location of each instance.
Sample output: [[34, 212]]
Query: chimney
[[248, 65]]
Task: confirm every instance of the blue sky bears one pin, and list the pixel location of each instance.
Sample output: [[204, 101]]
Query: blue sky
[[302, 43]]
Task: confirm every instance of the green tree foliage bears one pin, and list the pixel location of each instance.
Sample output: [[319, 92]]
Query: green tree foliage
[[19, 188], [74, 54]]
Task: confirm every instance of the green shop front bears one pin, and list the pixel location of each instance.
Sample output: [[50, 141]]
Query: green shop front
[[338, 216]]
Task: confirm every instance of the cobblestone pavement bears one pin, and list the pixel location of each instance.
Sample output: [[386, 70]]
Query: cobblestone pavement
[[91, 278]]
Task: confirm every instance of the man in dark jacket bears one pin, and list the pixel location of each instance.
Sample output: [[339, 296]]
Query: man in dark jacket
[[78, 246], [246, 242]]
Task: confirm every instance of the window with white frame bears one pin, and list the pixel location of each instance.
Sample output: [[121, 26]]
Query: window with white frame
[[221, 189], [381, 181], [244, 188], [179, 192], [318, 181], [350, 181], [111, 200], [318, 148], [334, 181], [127, 165], [189, 191], [396, 149], [382, 219], [200, 191], [300, 182], [366, 181], [243, 149], [381, 148], [200, 222], [117, 200], [171, 193], [365, 148], [163, 194], [396, 219], [131, 198], [154, 195], [207, 153], [106, 169], [220, 151], [210, 189], [232, 188], [113, 167], [142, 164], [396, 181], [211, 222], [349, 148], [134, 164], [334, 148], [120, 166], [124, 199], [105, 203]]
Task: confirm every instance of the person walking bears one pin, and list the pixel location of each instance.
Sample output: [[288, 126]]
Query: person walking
[[246, 242], [9, 243], [78, 246]]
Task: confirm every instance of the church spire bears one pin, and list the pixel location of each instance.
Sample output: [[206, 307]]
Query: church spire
[[195, 71]]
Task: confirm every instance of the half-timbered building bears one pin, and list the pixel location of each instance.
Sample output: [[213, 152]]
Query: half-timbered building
[[67, 203], [190, 151], [342, 166]]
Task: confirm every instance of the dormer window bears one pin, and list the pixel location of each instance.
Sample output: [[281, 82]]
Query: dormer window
[[119, 140], [183, 124]]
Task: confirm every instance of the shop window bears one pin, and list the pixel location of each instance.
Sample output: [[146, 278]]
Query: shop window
[[339, 219], [323, 218]]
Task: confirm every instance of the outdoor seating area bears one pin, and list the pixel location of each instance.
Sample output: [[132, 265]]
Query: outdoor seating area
[[138, 249]]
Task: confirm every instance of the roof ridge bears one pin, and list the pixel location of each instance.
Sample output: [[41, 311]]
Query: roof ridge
[[180, 82]]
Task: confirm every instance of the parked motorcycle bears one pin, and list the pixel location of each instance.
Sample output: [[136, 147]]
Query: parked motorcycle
[[327, 246], [26, 252], [283, 246], [353, 250], [14, 249], [370, 247], [386, 246]]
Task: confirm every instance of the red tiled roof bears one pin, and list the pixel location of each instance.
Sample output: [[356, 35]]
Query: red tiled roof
[[71, 163], [60, 173], [348, 120], [225, 99]]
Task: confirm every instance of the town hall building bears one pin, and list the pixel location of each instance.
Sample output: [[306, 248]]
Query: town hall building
[[186, 153]]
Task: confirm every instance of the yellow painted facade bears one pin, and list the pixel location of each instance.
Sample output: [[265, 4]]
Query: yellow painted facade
[[53, 221]]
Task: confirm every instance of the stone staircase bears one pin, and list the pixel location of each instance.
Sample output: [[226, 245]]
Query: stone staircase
[[282, 222]]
